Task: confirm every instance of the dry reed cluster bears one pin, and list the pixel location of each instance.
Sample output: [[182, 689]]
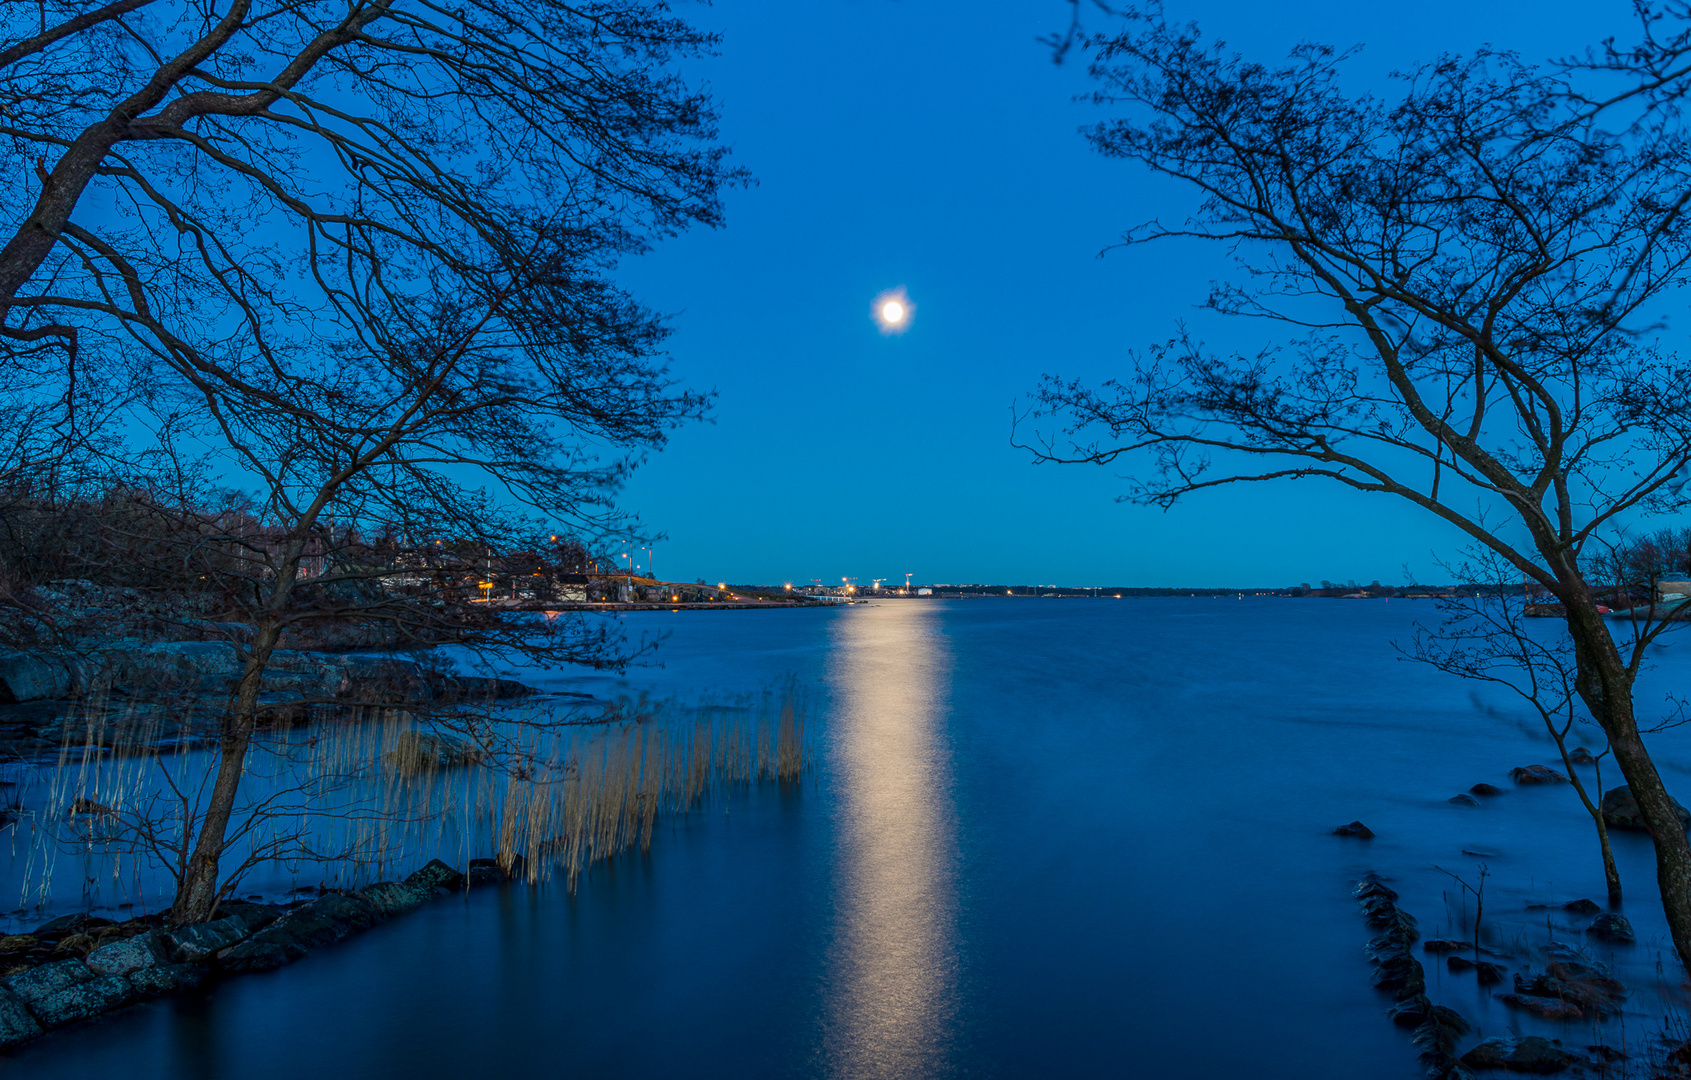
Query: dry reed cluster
[[352, 799]]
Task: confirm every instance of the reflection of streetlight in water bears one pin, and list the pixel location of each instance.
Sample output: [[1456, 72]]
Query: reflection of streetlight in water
[[892, 978]]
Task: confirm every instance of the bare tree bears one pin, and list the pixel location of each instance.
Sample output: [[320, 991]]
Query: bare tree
[[354, 259], [1487, 636], [1463, 273]]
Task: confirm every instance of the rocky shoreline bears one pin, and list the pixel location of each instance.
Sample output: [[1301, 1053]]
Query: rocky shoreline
[[186, 686], [78, 967]]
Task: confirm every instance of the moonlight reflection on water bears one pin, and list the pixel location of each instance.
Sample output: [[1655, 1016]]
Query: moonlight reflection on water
[[892, 972]]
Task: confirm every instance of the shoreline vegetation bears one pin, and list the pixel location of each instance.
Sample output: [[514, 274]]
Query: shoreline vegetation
[[384, 792]]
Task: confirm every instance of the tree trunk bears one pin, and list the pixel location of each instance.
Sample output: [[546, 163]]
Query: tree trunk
[[1605, 685], [197, 892], [1611, 876]]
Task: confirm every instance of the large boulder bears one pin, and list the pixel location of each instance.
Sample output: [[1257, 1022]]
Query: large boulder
[[123, 957], [48, 979], [436, 875], [256, 916], [81, 1001], [194, 944], [382, 680], [28, 677], [163, 979], [1611, 927], [1531, 1054], [1620, 810], [417, 752], [393, 897], [328, 919], [16, 1023], [266, 950], [203, 666]]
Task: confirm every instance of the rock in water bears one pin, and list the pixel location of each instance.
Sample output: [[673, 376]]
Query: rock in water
[[392, 897], [1534, 1054], [1620, 810], [1536, 774], [1356, 829], [25, 677], [1581, 907], [438, 875], [417, 752], [166, 979], [1547, 1007], [194, 944], [1463, 800], [48, 979], [1490, 1054], [1485, 789], [1611, 927], [1442, 945], [123, 957], [256, 916], [16, 1024], [1529, 1055], [79, 1002]]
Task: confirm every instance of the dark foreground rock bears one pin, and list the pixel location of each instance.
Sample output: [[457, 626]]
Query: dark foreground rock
[[1436, 1029], [416, 752], [1611, 927], [124, 957], [1582, 907], [16, 1023], [67, 925], [48, 979], [329, 919], [1485, 789], [393, 897], [161, 979], [99, 994], [1550, 1008], [1536, 774], [192, 944], [1487, 974], [1620, 810], [1531, 1054], [143, 961], [1356, 829], [437, 875]]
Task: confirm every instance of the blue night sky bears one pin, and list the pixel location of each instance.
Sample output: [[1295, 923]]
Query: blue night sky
[[934, 145]]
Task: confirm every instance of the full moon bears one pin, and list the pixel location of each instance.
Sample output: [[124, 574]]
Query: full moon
[[892, 310]]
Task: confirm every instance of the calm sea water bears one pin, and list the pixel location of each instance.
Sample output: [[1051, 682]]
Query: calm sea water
[[1045, 838]]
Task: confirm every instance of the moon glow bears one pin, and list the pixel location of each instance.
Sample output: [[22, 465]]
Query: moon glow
[[892, 311]]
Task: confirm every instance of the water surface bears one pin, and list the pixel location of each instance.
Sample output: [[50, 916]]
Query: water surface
[[1076, 837]]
